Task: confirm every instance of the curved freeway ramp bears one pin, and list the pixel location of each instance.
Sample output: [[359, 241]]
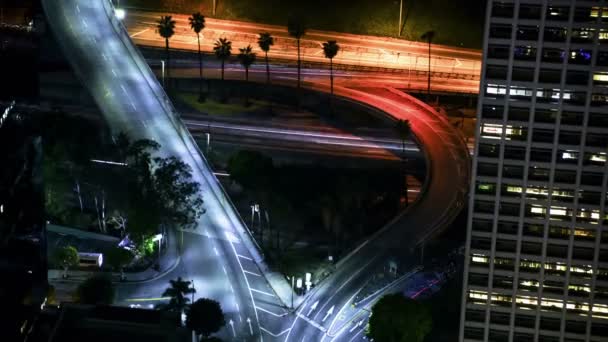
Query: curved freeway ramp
[[446, 187]]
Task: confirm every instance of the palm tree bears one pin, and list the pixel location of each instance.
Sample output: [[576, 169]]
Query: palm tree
[[166, 29], [178, 292], [265, 41], [428, 36], [223, 50], [297, 29], [330, 49], [246, 58], [197, 24]]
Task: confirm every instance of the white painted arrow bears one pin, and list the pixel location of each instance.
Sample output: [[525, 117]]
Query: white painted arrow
[[329, 312], [232, 325], [356, 326], [312, 308], [250, 328]]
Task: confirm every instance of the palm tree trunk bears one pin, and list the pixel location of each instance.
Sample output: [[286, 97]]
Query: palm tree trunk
[[167, 53], [299, 63], [200, 66], [267, 69], [222, 69], [331, 75], [247, 74]]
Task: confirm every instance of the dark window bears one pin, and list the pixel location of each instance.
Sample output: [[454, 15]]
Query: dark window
[[565, 176], [589, 197], [484, 207], [542, 135], [572, 118], [602, 58], [488, 150], [500, 31], [556, 250], [487, 169], [524, 53], [540, 155], [498, 336], [558, 13], [576, 327], [569, 138], [545, 115], [527, 32], [552, 55], [550, 76], [507, 227], [506, 245], [547, 323], [499, 318], [475, 315], [473, 333], [518, 114], [496, 72], [492, 112], [577, 77], [531, 248], [524, 321], [538, 174], [482, 225], [513, 171], [533, 229], [522, 74], [582, 253], [511, 209], [555, 34], [599, 329], [592, 178], [480, 243], [515, 152], [598, 120], [523, 337], [527, 11], [499, 51], [502, 10], [597, 140]]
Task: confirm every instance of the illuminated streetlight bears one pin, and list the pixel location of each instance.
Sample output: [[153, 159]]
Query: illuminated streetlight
[[158, 237], [120, 13]]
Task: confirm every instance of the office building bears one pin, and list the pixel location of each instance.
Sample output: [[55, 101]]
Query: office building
[[536, 265]]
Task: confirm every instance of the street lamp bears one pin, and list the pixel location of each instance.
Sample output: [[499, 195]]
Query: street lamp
[[162, 67], [120, 13], [428, 36], [158, 237]]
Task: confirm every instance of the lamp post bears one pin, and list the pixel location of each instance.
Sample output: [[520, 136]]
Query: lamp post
[[158, 237], [400, 16], [428, 36], [162, 67]]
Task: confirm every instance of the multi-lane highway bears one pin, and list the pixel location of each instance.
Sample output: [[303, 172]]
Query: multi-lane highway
[[219, 256], [215, 256], [357, 50]]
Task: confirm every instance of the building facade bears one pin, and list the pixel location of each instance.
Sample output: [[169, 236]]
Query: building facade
[[536, 265]]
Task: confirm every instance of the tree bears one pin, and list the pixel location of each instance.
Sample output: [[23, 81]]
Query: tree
[[251, 169], [166, 29], [97, 290], [222, 50], [396, 318], [330, 50], [118, 258], [265, 41], [205, 317], [178, 292], [67, 257], [428, 36], [180, 200], [296, 27], [197, 24], [246, 57]]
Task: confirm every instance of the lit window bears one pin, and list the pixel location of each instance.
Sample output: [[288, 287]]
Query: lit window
[[600, 77], [480, 258], [570, 155]]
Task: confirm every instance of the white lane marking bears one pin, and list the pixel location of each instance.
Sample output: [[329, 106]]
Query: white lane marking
[[244, 257], [250, 328], [312, 308], [123, 89], [262, 292], [224, 268], [329, 312], [275, 335], [355, 336], [270, 312], [77, 9], [313, 323], [232, 325], [85, 23], [114, 73], [231, 288], [216, 252], [104, 56], [252, 273], [257, 318], [140, 32], [134, 108], [237, 306]]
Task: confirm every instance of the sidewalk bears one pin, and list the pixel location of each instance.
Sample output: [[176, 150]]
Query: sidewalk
[[168, 262]]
